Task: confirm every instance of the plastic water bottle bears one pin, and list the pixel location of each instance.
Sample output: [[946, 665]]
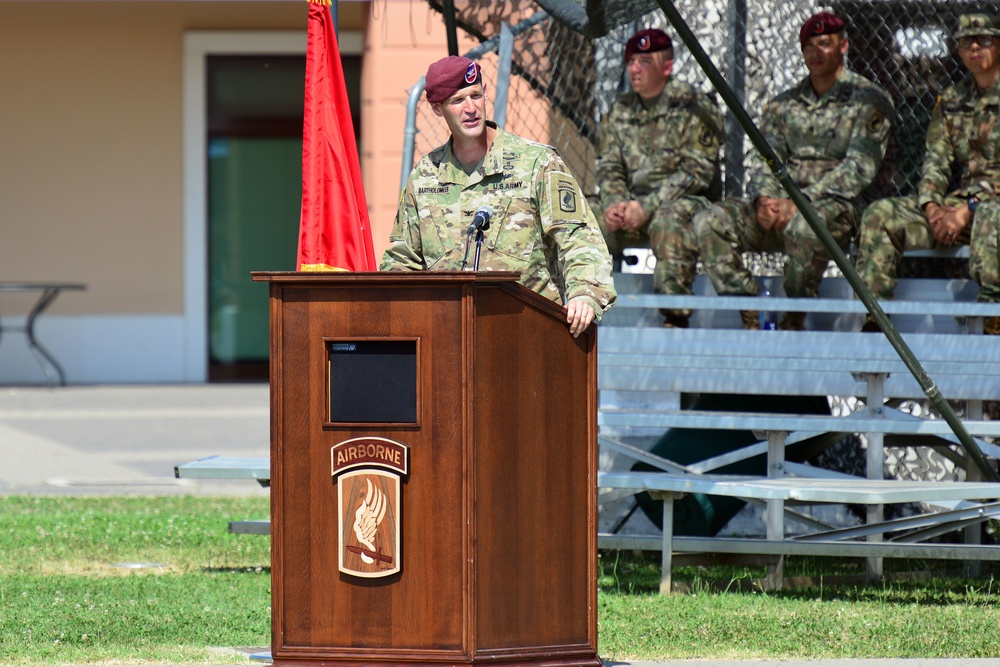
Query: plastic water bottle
[[767, 318]]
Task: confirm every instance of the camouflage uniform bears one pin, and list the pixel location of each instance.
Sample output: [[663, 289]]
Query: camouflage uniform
[[666, 158], [541, 224], [832, 148], [964, 129]]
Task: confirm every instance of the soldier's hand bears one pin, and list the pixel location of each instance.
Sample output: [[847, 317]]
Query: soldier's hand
[[767, 212], [784, 210], [933, 213], [949, 221], [614, 216], [579, 315], [634, 216]]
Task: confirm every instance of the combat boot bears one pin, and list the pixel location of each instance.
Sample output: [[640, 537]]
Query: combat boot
[[793, 321], [750, 319], [672, 320], [991, 326], [870, 325]]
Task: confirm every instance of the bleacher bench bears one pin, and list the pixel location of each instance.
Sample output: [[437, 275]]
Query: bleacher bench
[[645, 369]]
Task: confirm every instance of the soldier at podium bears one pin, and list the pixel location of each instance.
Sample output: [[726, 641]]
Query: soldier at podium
[[532, 212]]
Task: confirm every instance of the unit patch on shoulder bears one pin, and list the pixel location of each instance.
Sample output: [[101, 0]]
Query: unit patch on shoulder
[[876, 122], [707, 138], [563, 193]]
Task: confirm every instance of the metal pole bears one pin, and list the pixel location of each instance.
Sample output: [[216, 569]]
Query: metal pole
[[736, 58], [505, 57], [450, 27], [335, 16], [853, 279], [410, 131]]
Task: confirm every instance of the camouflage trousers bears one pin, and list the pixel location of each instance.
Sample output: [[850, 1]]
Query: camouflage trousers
[[891, 226], [725, 230], [671, 238]]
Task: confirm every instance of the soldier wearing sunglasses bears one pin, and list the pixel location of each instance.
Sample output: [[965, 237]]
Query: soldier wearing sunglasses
[[964, 133]]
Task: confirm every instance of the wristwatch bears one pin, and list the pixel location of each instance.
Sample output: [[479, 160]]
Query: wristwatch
[[973, 204]]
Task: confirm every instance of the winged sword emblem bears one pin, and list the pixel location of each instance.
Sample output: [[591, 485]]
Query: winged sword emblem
[[367, 518]]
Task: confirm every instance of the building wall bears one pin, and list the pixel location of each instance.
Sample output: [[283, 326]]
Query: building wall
[[92, 179], [91, 167], [95, 170]]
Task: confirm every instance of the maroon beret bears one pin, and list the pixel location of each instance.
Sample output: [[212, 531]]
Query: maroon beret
[[823, 23], [450, 74], [649, 40]]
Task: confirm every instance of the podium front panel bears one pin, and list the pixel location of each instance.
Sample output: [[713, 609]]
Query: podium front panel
[[421, 607], [496, 406]]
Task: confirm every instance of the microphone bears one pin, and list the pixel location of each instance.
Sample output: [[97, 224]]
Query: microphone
[[481, 221]]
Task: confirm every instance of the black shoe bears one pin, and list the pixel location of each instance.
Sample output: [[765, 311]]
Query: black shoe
[[870, 325], [674, 321], [792, 321]]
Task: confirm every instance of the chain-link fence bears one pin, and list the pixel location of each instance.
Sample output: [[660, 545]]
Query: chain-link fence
[[563, 82]]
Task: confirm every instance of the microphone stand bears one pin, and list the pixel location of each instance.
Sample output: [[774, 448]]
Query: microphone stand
[[465, 260], [480, 223], [479, 247]]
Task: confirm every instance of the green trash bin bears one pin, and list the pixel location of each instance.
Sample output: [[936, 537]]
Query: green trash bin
[[700, 515]]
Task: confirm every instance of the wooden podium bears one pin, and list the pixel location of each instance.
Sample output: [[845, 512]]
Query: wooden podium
[[454, 414]]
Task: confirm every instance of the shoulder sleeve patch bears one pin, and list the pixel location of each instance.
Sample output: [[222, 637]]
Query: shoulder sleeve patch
[[707, 138], [876, 122], [564, 197]]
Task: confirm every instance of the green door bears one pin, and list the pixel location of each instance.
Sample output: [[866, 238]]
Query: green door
[[255, 106], [254, 196], [253, 226]]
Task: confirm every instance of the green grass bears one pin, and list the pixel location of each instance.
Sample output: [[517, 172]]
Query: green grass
[[921, 610], [64, 599]]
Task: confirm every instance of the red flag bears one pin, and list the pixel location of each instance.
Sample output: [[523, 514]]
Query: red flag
[[334, 230]]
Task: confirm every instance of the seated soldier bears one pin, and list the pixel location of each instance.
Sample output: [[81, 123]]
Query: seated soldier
[[963, 131], [657, 158], [831, 132]]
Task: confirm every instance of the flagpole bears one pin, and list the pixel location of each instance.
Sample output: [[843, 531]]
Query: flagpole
[[335, 16]]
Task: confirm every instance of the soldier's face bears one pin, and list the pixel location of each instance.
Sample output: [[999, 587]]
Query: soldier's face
[[979, 59], [465, 111], [648, 72], [824, 54]]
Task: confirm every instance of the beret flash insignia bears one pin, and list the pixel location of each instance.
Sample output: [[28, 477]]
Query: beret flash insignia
[[472, 73]]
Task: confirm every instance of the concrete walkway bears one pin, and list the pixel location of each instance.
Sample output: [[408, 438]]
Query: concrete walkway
[[127, 439]]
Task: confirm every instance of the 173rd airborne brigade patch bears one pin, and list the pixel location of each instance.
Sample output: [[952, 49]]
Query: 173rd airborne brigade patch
[[368, 495], [562, 191]]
